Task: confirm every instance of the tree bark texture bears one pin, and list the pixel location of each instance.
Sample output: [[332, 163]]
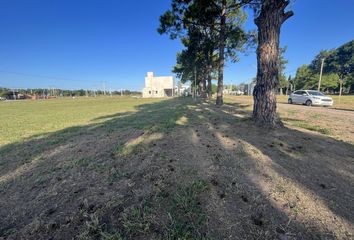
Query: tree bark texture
[[209, 72], [219, 94], [269, 22], [209, 84], [202, 83]]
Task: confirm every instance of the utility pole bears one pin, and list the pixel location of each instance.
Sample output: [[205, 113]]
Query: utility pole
[[340, 88], [195, 82], [319, 81], [104, 88]]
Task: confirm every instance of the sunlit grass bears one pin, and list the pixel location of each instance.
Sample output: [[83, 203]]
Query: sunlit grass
[[28, 118]]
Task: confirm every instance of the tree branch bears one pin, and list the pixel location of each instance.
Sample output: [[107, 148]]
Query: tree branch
[[287, 15]]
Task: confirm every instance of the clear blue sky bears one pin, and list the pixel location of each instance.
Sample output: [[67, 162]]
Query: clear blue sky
[[82, 43]]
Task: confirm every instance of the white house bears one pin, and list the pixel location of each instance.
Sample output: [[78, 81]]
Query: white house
[[158, 87], [183, 89]]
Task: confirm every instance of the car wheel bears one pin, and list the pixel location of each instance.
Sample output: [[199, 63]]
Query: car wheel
[[290, 101], [308, 103]]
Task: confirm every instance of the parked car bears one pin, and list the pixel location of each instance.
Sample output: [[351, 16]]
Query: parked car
[[309, 98], [2, 99]]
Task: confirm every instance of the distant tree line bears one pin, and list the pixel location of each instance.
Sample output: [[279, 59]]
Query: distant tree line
[[7, 92], [338, 71]]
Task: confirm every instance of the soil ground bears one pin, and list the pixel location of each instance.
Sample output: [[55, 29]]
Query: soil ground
[[179, 169]]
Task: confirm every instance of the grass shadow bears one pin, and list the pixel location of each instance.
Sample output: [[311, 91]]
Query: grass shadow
[[138, 175]]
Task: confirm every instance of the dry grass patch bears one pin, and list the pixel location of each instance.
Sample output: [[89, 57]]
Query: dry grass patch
[[179, 169]]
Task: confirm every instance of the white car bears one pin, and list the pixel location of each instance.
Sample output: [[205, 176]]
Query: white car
[[309, 98]]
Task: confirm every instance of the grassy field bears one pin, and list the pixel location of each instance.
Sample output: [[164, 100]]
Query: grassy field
[[24, 119], [127, 168]]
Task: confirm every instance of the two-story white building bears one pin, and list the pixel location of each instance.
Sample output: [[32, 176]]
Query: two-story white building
[[158, 87]]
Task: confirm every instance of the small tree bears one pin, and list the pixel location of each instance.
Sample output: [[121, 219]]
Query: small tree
[[338, 61]]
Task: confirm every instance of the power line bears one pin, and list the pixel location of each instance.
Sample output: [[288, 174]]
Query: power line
[[41, 76], [49, 77]]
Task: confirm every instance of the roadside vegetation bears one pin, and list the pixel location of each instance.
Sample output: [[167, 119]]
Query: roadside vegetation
[[337, 65]]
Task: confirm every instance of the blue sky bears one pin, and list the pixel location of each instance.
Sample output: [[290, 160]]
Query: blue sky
[[82, 43]]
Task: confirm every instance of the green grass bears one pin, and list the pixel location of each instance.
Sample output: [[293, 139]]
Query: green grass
[[310, 127], [26, 119], [116, 175], [95, 230], [137, 219], [141, 202], [187, 219], [126, 150], [29, 118]]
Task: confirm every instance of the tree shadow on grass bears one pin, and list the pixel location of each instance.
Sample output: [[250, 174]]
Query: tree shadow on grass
[[18, 154], [343, 109], [126, 174], [58, 170], [239, 105], [320, 166]]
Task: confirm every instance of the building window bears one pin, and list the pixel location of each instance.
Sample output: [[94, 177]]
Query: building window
[[149, 92], [156, 92]]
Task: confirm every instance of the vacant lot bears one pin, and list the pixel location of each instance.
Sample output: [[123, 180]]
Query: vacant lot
[[337, 122], [124, 168]]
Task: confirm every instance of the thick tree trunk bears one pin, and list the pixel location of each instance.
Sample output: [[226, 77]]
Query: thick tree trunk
[[209, 71], [209, 86], [205, 86], [208, 77], [202, 83], [269, 21], [287, 89], [219, 94], [351, 88]]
